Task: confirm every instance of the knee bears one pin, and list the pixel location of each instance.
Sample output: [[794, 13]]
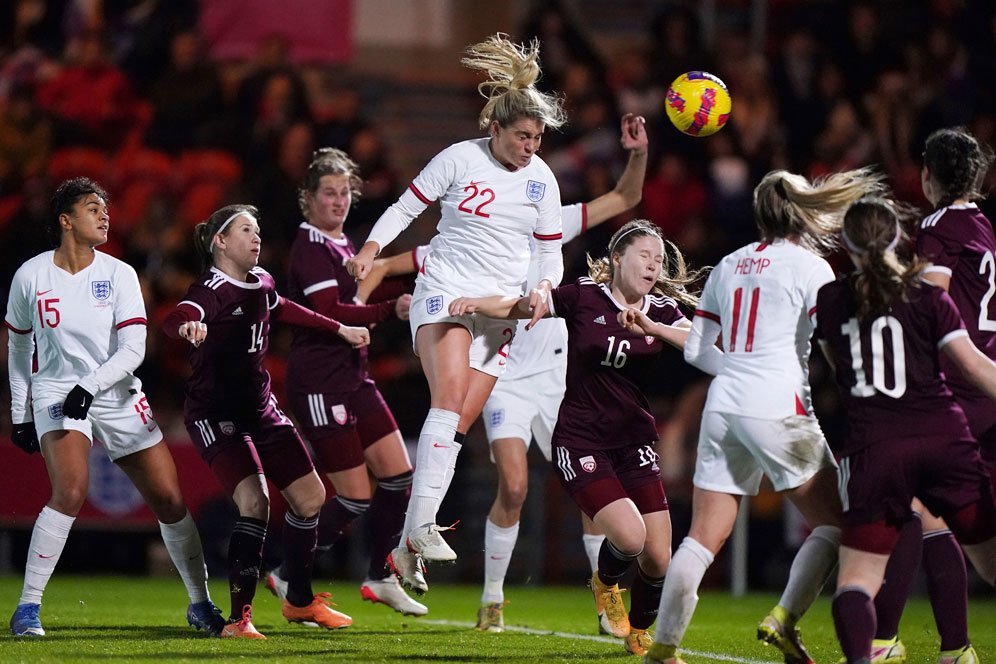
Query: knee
[[310, 504], [654, 563], [168, 507], [512, 492], [631, 541], [69, 497]]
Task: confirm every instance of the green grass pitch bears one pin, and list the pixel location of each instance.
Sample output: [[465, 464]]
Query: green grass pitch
[[137, 619]]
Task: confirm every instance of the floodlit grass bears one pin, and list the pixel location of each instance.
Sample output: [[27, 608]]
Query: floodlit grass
[[138, 619]]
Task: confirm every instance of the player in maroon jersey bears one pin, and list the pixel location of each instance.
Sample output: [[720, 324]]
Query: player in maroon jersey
[[603, 443], [884, 330], [341, 413], [958, 243], [233, 418]]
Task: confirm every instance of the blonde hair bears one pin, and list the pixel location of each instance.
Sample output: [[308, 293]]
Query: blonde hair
[[787, 205], [512, 71], [675, 277], [328, 161], [874, 230]]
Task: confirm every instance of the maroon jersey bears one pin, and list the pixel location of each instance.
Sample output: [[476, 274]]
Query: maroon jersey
[[958, 241], [607, 368], [319, 362], [888, 366], [228, 375]]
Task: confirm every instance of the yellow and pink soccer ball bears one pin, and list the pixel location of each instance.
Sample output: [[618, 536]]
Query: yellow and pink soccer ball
[[698, 103]]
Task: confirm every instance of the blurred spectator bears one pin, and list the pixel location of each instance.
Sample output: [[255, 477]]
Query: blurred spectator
[[91, 98], [338, 115], [676, 41], [795, 77], [187, 102], [866, 49], [265, 104], [25, 140], [675, 198], [563, 43], [380, 182], [34, 23]]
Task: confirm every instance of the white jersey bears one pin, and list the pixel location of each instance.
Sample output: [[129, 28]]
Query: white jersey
[[544, 347], [764, 298], [488, 216], [74, 320]]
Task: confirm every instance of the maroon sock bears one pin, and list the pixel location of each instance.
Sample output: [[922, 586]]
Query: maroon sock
[[336, 516], [300, 537], [612, 563], [947, 586], [854, 617], [899, 576], [646, 597], [245, 555], [386, 519]]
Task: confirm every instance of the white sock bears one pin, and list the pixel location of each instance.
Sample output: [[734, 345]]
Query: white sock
[[184, 546], [680, 594], [498, 546], [812, 565], [448, 474], [435, 446], [592, 545], [48, 539]]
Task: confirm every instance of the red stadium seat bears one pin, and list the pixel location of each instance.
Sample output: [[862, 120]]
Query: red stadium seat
[[200, 200], [146, 165], [197, 166], [132, 203], [79, 161]]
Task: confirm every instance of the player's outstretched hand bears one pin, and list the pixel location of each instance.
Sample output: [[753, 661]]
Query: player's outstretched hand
[[634, 132], [194, 331], [25, 436], [77, 403], [636, 322], [359, 265], [358, 337], [539, 299], [463, 305], [403, 306]]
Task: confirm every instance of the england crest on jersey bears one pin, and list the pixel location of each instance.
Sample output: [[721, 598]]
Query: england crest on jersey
[[434, 304], [55, 411], [535, 190], [497, 417], [101, 290]]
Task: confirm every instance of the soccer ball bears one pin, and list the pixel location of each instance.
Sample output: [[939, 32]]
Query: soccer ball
[[698, 103]]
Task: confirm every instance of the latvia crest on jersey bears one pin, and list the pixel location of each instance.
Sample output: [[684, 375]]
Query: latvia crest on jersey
[[588, 464], [535, 190]]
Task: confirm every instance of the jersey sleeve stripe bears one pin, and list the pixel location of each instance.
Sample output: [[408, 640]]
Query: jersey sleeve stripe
[[14, 329], [812, 310], [939, 269], [584, 218], [415, 258], [419, 194], [321, 285], [196, 306], [131, 321], [951, 336], [707, 314], [555, 236]]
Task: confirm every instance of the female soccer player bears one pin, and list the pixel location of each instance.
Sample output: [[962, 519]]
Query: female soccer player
[[233, 418], [758, 418], [526, 398], [342, 414], [957, 241], [884, 330], [496, 197], [83, 312], [603, 442]]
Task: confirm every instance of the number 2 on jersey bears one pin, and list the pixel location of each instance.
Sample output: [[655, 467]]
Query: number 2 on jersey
[[988, 267], [487, 194]]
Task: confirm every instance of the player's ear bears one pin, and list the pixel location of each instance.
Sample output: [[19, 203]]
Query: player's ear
[[65, 222], [494, 128]]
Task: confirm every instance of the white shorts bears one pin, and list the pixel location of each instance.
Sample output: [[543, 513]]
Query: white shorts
[[122, 422], [735, 450], [526, 408], [491, 337]]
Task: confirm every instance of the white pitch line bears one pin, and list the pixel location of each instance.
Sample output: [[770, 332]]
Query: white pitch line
[[719, 657]]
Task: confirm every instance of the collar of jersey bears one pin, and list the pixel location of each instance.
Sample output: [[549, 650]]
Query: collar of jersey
[[341, 241], [621, 307], [964, 206], [241, 284]]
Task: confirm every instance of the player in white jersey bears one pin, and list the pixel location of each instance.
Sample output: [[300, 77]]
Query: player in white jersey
[[759, 301], [524, 403], [82, 311], [496, 196]]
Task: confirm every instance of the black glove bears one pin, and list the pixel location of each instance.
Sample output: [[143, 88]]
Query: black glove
[[25, 437], [77, 403]]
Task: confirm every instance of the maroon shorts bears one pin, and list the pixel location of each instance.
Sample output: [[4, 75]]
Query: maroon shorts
[[238, 446], [594, 479], [879, 482], [340, 426]]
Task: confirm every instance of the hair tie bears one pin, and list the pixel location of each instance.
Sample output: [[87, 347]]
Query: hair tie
[[612, 247], [858, 251]]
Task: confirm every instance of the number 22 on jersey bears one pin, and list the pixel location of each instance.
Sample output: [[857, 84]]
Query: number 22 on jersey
[[477, 200]]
